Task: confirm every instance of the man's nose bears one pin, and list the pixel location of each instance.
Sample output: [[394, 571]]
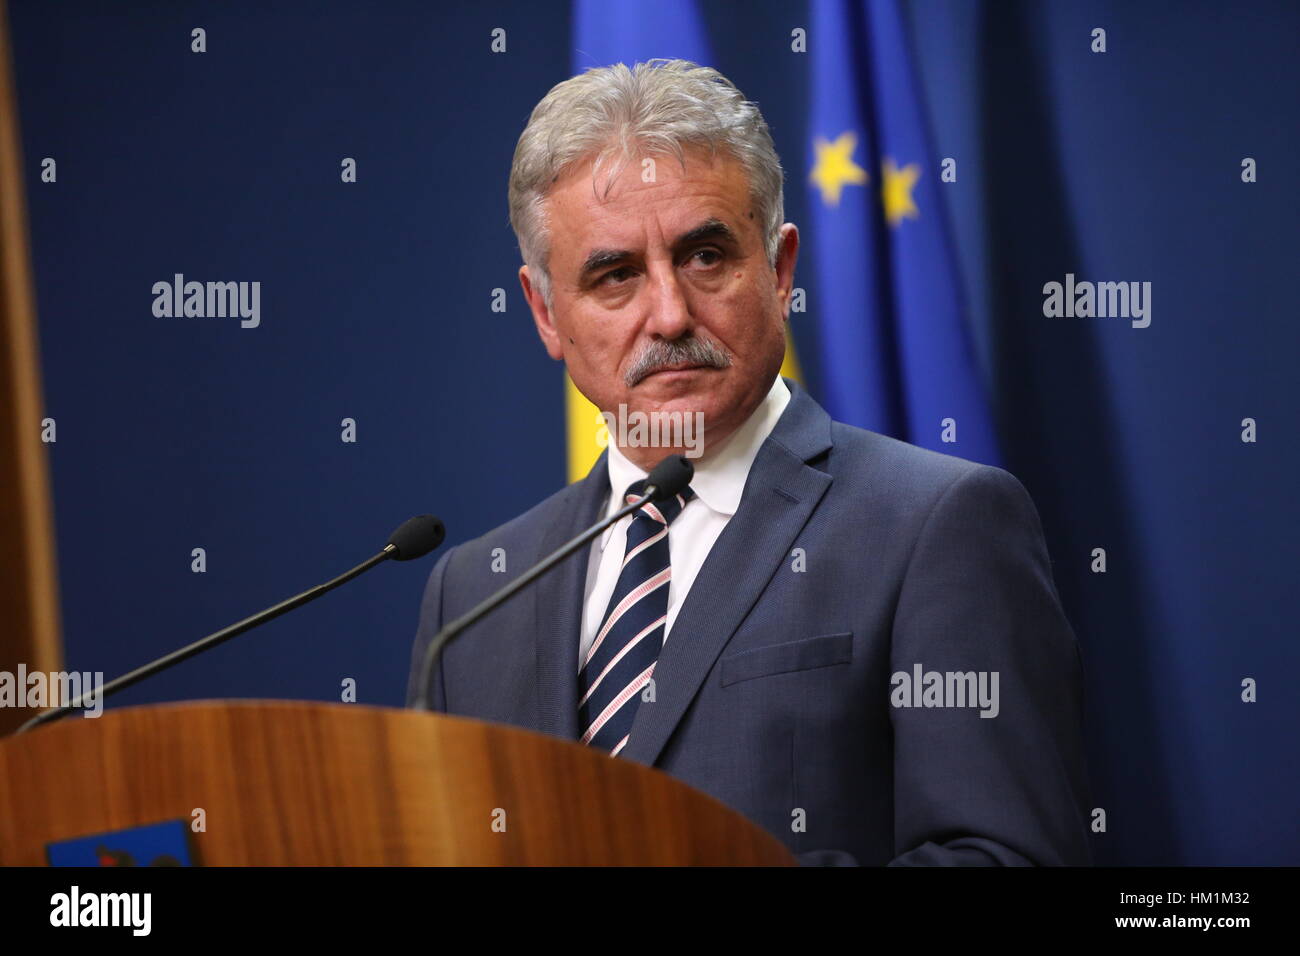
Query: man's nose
[[670, 312]]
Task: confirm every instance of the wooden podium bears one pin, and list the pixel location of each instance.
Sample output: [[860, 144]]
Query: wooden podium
[[289, 783]]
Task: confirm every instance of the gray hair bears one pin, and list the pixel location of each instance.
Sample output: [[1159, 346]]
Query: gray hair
[[658, 106]]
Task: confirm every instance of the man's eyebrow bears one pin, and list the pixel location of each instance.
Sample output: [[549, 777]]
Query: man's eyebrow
[[599, 259], [709, 229]]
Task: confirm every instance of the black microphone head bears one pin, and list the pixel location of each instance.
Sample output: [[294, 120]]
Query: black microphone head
[[670, 477], [416, 537]]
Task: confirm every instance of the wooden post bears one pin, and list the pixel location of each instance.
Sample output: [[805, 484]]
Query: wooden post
[[29, 606]]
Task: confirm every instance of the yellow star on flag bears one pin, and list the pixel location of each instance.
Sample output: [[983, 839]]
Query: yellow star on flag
[[896, 191], [835, 167]]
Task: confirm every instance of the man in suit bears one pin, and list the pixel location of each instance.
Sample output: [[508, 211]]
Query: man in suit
[[854, 642]]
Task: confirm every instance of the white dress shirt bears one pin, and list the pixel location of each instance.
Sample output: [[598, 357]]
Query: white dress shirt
[[718, 484]]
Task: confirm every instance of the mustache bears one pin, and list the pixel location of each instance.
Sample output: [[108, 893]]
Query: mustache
[[661, 354]]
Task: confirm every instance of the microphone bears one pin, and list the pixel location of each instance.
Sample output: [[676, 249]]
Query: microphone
[[670, 477], [415, 538]]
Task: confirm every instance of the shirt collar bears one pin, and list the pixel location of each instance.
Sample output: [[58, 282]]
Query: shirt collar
[[720, 478]]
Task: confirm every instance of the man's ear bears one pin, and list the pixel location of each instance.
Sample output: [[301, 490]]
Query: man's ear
[[785, 260], [546, 329]]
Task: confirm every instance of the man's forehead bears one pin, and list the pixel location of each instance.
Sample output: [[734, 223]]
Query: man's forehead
[[710, 192]]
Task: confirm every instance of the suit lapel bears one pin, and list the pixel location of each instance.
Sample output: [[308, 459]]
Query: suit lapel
[[558, 600], [780, 494]]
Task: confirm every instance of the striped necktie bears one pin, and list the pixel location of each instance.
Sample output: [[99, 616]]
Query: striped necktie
[[623, 654]]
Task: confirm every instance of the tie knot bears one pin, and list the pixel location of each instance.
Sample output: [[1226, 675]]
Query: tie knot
[[661, 511]]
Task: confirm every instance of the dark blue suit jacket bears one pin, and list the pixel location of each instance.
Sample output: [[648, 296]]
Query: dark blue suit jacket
[[773, 689]]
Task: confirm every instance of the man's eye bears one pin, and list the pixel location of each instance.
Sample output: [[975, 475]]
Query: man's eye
[[617, 274], [714, 256]]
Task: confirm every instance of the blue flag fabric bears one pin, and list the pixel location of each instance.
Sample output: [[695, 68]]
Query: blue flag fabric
[[896, 353], [632, 31]]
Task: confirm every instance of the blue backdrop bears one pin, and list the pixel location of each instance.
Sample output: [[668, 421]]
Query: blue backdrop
[[376, 305]]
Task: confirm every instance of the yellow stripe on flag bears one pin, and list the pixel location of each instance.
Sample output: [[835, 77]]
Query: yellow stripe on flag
[[586, 431]]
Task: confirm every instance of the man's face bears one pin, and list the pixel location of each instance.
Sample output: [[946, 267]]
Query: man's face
[[662, 296]]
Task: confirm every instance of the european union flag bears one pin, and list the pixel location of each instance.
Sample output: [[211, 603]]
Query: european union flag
[[895, 349]]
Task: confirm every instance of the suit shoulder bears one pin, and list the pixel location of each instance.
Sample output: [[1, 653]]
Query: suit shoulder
[[872, 455], [871, 464]]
